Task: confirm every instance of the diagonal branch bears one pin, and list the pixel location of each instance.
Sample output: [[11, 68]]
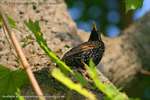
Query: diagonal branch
[[22, 57]]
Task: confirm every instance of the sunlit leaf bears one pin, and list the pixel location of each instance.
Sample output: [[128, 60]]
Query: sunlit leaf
[[57, 74], [35, 29], [111, 92], [33, 26], [12, 22], [81, 79], [18, 95], [133, 4], [92, 69], [11, 80]]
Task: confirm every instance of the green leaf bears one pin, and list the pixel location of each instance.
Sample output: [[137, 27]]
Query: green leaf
[[12, 22], [33, 26], [92, 68], [81, 79], [57, 74], [18, 95], [11, 80], [35, 29], [133, 4], [111, 92]]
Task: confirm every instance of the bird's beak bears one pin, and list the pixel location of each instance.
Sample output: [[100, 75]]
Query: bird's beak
[[94, 26]]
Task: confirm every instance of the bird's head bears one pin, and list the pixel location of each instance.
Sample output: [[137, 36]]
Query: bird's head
[[95, 34]]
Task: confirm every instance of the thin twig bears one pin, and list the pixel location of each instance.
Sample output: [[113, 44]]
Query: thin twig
[[145, 72], [22, 57], [8, 40]]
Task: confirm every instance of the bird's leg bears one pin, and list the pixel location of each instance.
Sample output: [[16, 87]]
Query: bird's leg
[[86, 75], [84, 72]]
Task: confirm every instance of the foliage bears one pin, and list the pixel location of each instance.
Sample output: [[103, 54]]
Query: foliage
[[18, 77], [18, 95], [133, 4], [10, 80], [11, 22], [34, 27], [57, 74], [109, 90]]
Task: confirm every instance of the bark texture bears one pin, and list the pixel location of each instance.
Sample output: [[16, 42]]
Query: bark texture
[[124, 57], [58, 28]]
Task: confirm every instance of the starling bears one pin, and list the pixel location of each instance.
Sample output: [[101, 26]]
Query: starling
[[93, 48]]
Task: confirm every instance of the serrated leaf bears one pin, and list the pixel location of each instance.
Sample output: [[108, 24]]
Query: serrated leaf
[[133, 4], [33, 26], [57, 74], [11, 80], [35, 29], [109, 90], [11, 22]]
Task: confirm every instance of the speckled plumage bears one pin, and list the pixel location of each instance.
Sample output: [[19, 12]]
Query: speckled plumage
[[93, 48]]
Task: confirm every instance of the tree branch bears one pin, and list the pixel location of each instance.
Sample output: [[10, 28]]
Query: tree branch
[[22, 57]]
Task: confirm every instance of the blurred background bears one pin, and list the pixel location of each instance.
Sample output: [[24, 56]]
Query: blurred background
[[109, 15]]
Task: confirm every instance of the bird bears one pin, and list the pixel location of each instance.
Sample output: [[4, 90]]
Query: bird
[[92, 49]]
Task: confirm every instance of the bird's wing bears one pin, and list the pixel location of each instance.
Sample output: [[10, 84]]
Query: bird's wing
[[79, 49]]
